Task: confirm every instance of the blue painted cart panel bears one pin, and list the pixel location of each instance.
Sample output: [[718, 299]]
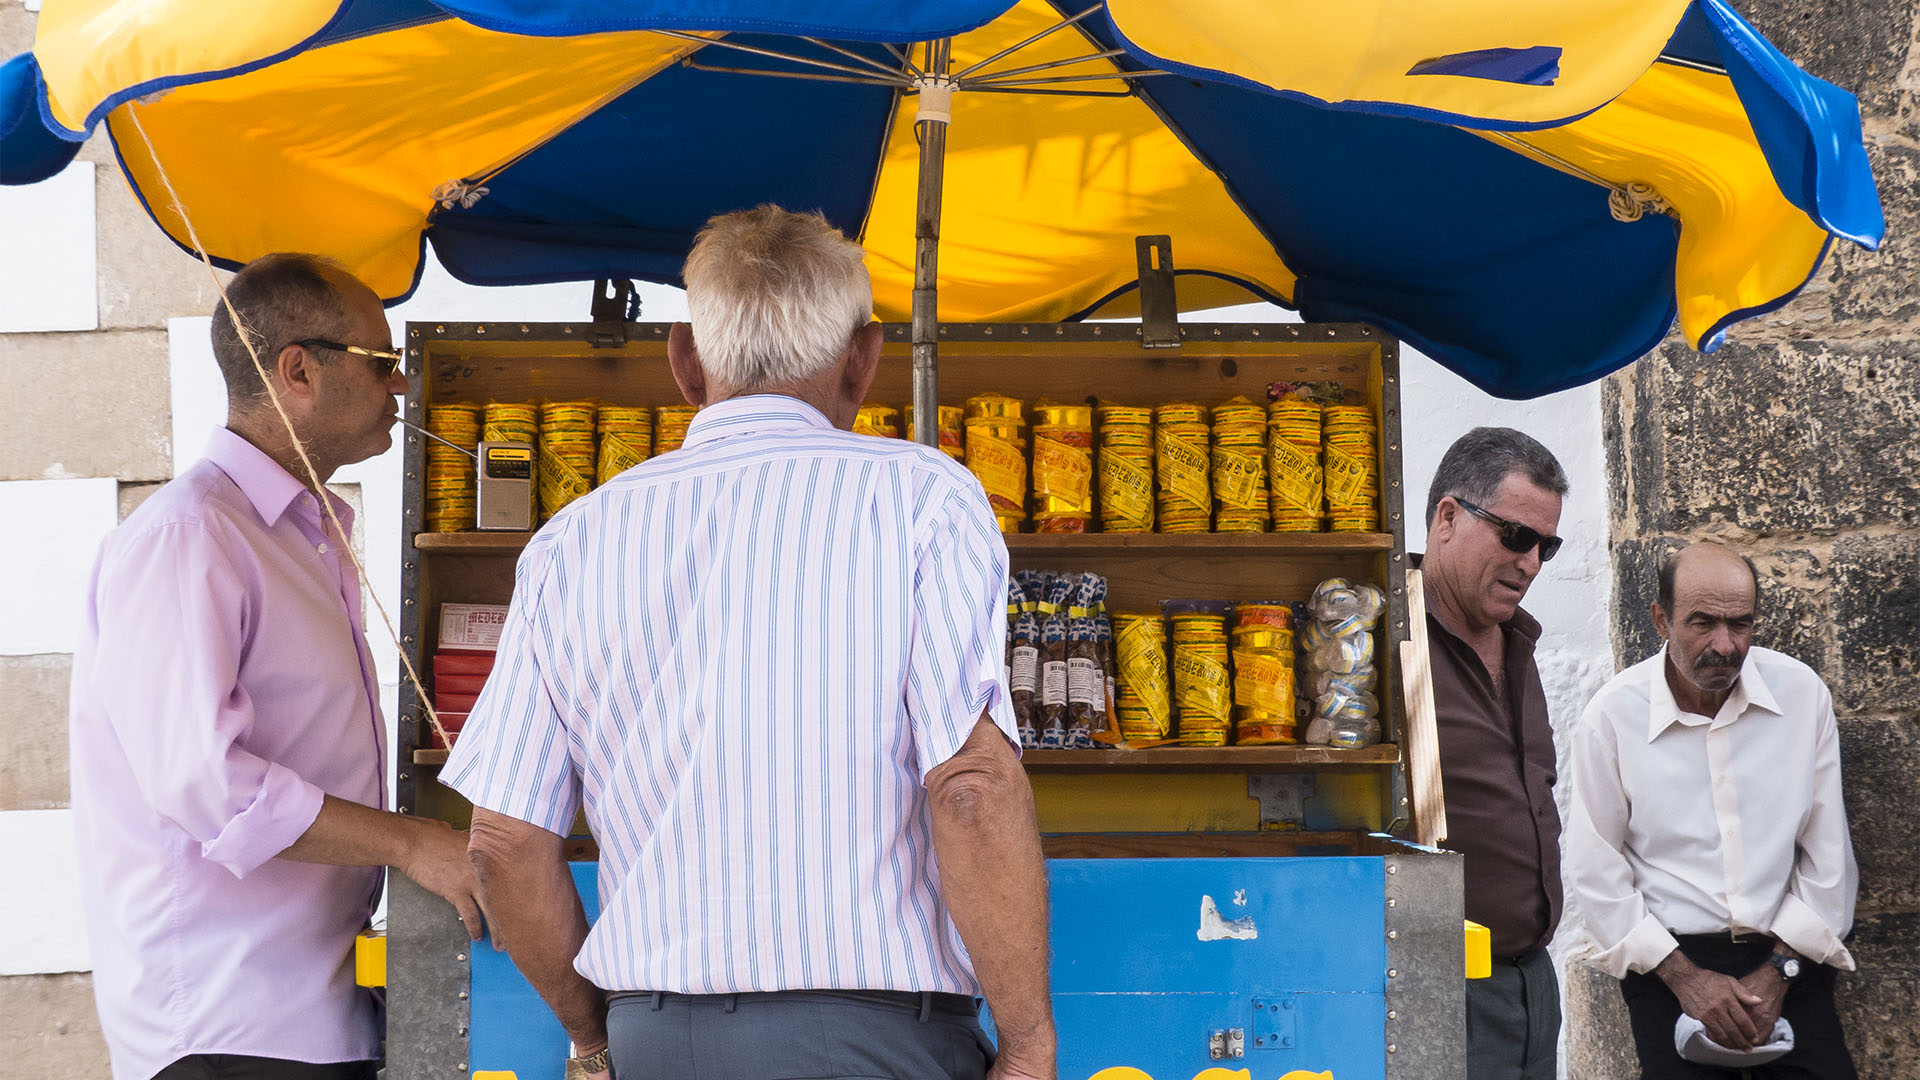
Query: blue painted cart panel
[[1293, 955]]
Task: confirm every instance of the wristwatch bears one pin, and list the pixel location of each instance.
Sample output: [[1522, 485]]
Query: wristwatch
[[1787, 966], [592, 1063]]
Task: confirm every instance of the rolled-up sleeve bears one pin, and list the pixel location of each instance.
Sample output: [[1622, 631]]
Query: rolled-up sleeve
[[173, 612], [514, 755], [1817, 911], [956, 665], [1622, 934]]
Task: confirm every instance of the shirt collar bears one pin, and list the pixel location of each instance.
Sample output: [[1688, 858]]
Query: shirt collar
[[754, 412], [1750, 691], [270, 488]]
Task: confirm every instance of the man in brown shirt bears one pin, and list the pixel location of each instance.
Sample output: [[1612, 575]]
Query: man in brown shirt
[[1492, 513]]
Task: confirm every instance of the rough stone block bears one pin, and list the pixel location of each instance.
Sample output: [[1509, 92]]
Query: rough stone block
[[1878, 1003], [51, 1029], [1778, 438], [145, 278], [1636, 568], [1795, 617], [1876, 614], [1861, 47], [1880, 764], [82, 405], [1599, 1042], [33, 741], [1872, 291], [132, 495], [16, 30]]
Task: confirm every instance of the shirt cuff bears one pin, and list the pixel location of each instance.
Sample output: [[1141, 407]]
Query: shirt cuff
[[281, 812], [1809, 935], [1642, 949]]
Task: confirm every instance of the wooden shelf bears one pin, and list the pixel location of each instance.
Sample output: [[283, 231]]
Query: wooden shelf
[[1163, 759], [1206, 759], [483, 543]]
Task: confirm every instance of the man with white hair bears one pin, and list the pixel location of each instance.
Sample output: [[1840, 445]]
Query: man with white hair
[[769, 662]]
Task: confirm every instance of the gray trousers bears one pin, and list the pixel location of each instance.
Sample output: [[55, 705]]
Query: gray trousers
[[795, 1033], [1513, 1020]]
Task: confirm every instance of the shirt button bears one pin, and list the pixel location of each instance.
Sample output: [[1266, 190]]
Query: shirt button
[[323, 549]]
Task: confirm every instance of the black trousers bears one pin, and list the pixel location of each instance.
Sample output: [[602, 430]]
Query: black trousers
[[1513, 1020], [1819, 1045], [797, 1033], [242, 1067]]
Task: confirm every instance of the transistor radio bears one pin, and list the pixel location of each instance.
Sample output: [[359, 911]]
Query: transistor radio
[[504, 500]]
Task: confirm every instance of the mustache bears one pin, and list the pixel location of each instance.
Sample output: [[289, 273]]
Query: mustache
[[1706, 661]]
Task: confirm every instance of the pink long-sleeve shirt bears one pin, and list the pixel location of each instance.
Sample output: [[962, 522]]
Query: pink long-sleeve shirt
[[221, 686]]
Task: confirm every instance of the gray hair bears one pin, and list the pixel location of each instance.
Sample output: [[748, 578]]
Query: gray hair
[[281, 299], [1474, 467], [774, 296]]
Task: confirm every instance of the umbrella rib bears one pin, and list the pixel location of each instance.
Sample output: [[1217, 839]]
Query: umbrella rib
[[1014, 48], [860, 78], [997, 76], [851, 55], [994, 84], [772, 54], [906, 61]]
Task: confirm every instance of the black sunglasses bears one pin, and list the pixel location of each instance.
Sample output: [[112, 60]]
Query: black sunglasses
[[385, 362], [1515, 537]]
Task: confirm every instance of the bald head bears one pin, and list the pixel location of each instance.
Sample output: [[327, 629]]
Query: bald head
[[1713, 563]]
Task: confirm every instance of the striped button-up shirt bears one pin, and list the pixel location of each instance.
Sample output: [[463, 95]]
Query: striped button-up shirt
[[744, 657]]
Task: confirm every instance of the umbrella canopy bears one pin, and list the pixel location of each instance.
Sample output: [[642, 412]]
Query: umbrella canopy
[[1529, 192]]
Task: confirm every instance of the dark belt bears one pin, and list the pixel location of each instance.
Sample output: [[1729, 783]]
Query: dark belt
[[1523, 958], [924, 1002]]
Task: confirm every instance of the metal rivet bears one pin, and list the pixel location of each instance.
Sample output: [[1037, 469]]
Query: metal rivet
[[989, 331], [408, 639], [1256, 333], [566, 329], [463, 995], [1392, 973], [1393, 935], [462, 1030], [1392, 869], [1216, 331], [1392, 1049], [524, 330], [1390, 901], [439, 329], [409, 601], [1393, 1014], [406, 776], [479, 329], [1024, 331], [462, 957], [404, 810]]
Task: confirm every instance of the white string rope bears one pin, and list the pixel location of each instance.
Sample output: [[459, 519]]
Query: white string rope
[[319, 487]]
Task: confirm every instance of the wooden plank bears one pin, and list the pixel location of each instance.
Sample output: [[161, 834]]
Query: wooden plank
[[1207, 759], [1269, 845], [1423, 730], [1226, 544], [1161, 759]]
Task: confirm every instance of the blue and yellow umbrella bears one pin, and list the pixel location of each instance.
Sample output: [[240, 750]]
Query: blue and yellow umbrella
[[1531, 192]]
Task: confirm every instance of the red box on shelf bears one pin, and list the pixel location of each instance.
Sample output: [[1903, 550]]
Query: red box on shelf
[[461, 663], [458, 703], [452, 722], [444, 684]]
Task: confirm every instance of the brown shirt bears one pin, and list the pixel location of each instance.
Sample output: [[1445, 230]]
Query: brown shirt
[[1497, 765]]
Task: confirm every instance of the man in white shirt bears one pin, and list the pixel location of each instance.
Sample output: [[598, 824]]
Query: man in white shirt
[[768, 665], [1707, 847]]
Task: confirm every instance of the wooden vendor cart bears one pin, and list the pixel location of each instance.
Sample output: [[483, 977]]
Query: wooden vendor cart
[[1259, 910]]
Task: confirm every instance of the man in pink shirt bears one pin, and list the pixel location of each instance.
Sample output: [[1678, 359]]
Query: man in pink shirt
[[228, 757]]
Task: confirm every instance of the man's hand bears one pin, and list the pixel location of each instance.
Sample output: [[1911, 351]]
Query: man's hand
[[1766, 983], [574, 1071], [436, 860], [1009, 1067], [1721, 1003]]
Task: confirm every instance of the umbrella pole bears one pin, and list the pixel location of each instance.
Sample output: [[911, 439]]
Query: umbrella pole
[[935, 110]]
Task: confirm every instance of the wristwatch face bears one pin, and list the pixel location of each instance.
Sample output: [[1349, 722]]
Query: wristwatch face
[[1788, 967]]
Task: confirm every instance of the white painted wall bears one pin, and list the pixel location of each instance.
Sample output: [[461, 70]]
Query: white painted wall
[[47, 278]]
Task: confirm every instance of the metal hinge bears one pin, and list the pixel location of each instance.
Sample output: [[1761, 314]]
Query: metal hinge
[[1159, 311], [1283, 798], [1227, 1043], [615, 303]]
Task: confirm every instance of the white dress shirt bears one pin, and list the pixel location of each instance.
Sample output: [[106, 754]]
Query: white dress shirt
[[743, 657], [1685, 824]]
